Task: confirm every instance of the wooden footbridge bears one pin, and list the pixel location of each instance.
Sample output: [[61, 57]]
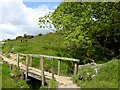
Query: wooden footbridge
[[41, 74]]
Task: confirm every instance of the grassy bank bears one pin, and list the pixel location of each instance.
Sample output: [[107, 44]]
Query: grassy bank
[[8, 82], [107, 76]]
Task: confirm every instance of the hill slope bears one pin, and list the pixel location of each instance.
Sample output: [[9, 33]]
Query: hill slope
[[49, 44], [107, 76]]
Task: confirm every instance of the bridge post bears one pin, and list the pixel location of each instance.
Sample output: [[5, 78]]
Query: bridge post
[[26, 75], [22, 74], [75, 68], [52, 69], [17, 60], [42, 68], [31, 61], [11, 66], [59, 67]]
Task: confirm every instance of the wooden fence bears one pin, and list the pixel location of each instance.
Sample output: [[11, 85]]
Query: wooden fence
[[30, 56]]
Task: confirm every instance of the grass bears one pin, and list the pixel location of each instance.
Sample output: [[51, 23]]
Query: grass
[[8, 82], [107, 76], [52, 83], [49, 44]]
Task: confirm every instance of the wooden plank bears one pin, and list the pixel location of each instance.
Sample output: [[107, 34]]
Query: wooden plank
[[52, 69], [31, 61], [26, 75], [42, 68], [75, 68], [59, 67], [17, 60]]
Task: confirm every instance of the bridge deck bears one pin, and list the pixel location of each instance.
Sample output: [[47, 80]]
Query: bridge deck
[[63, 81]]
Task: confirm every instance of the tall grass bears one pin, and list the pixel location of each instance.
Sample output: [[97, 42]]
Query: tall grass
[[107, 76]]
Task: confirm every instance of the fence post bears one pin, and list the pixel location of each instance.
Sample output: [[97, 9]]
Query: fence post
[[31, 61], [42, 68], [17, 60], [52, 69], [26, 75], [11, 67], [59, 67], [75, 68]]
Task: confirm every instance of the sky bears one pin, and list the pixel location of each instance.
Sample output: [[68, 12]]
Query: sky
[[19, 17]]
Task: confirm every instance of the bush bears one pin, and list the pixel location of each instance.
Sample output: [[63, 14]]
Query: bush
[[18, 37], [40, 34]]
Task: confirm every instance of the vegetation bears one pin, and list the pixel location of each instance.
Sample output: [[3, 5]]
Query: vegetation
[[24, 37], [8, 82], [87, 31], [107, 76], [91, 29], [52, 83], [49, 44]]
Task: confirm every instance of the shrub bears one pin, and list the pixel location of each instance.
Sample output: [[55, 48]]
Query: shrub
[[18, 37], [40, 34]]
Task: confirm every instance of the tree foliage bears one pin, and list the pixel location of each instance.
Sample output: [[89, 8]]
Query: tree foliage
[[46, 22], [92, 29]]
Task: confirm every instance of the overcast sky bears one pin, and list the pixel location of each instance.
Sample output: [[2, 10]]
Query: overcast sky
[[18, 17]]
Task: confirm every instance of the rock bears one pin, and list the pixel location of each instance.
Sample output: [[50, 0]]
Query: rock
[[96, 70], [93, 76], [12, 75], [80, 77]]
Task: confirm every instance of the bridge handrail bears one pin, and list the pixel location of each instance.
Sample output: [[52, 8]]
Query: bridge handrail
[[51, 57]]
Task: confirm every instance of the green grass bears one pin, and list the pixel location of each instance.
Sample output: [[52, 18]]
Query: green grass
[[8, 82], [52, 83], [49, 44], [107, 76]]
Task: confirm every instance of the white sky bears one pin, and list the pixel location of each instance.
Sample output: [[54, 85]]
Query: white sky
[[18, 19]]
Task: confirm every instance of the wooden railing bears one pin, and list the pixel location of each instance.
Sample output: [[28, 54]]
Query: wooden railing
[[76, 61]]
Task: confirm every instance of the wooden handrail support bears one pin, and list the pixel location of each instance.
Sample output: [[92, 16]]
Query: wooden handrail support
[[26, 76], [76, 61], [42, 68], [17, 59]]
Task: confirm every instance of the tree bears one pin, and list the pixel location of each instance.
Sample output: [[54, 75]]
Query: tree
[[46, 22], [18, 37], [92, 29]]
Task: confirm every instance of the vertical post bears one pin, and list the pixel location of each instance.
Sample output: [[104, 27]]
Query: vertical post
[[17, 60], [59, 67], [42, 68], [75, 68], [52, 69], [22, 74], [31, 61], [26, 75], [79, 70], [11, 67]]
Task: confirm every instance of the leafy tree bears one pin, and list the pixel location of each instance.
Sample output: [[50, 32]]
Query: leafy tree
[[92, 29], [46, 22]]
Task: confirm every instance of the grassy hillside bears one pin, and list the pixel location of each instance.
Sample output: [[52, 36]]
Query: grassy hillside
[[49, 44], [107, 76]]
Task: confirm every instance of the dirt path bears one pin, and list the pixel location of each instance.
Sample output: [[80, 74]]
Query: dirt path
[[63, 81]]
